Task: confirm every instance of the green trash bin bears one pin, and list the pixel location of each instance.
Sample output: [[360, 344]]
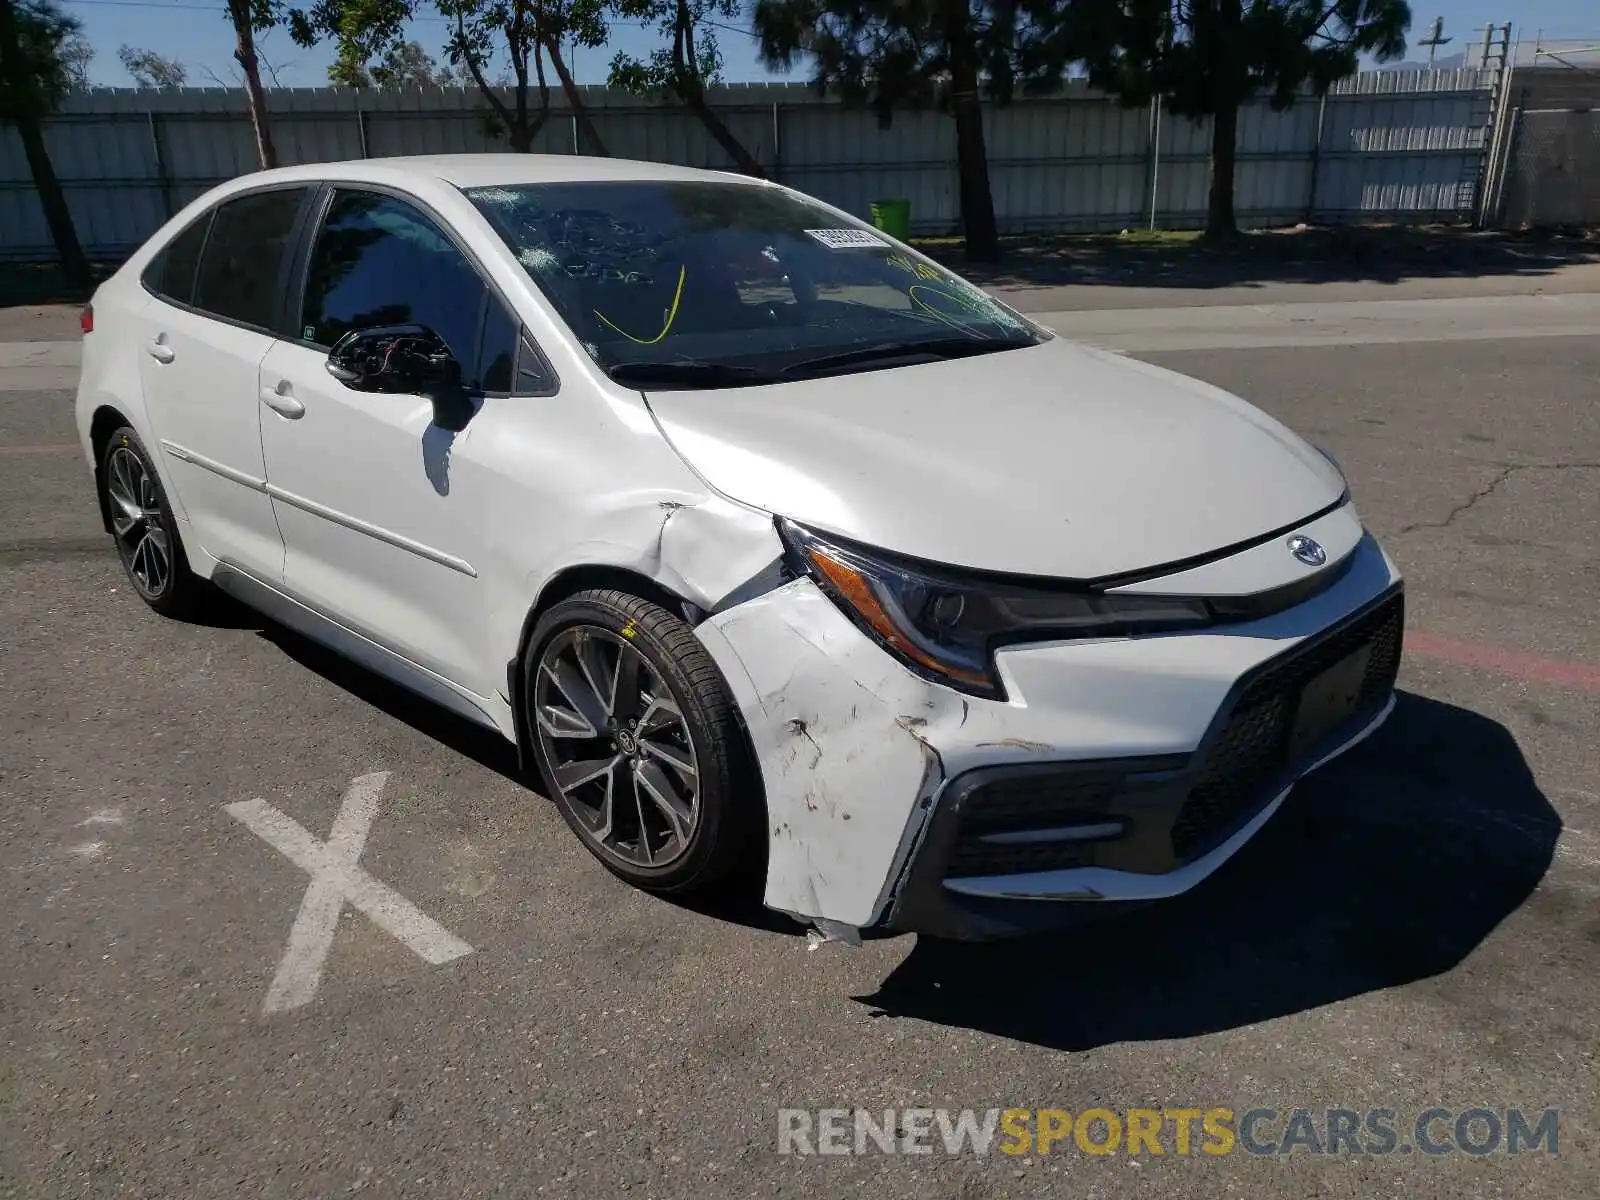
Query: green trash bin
[[893, 217]]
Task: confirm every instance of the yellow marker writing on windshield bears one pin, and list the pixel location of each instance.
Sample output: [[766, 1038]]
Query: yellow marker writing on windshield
[[672, 315]]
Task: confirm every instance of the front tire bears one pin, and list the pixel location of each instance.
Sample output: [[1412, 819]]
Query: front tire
[[639, 744], [144, 529]]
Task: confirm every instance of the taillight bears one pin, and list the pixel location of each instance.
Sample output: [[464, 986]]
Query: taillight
[[86, 319]]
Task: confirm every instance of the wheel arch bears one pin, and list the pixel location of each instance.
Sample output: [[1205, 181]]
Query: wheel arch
[[581, 577], [569, 581], [105, 422]]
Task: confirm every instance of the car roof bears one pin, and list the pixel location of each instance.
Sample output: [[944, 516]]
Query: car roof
[[492, 170]]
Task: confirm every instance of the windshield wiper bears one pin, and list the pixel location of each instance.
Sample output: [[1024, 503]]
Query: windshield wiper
[[689, 373], [950, 347], [699, 373]]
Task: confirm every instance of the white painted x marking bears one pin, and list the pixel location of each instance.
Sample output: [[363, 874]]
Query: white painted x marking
[[337, 879]]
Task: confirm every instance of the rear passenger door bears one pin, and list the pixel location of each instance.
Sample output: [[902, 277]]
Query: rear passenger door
[[217, 291]]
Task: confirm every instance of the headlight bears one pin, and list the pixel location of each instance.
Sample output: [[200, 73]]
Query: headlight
[[946, 625]]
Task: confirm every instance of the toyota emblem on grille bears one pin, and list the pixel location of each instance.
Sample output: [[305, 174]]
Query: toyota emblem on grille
[[1307, 550]]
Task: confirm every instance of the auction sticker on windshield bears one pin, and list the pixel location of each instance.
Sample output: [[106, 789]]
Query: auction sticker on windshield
[[846, 239]]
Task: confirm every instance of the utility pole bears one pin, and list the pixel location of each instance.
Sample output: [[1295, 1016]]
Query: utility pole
[[1496, 45], [1435, 38]]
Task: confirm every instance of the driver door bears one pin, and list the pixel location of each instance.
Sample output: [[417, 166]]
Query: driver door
[[381, 510]]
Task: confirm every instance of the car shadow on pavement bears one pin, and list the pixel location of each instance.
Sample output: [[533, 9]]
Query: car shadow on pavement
[[221, 611], [482, 745], [488, 749], [1388, 866]]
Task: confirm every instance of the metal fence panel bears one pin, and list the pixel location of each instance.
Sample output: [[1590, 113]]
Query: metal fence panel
[[1394, 145]]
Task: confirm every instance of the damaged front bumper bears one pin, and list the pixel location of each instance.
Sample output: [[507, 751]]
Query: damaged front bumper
[[1118, 771]]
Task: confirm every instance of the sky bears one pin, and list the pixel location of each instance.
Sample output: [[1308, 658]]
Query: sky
[[197, 34]]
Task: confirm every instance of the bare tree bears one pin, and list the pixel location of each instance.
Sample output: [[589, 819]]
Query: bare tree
[[76, 55]]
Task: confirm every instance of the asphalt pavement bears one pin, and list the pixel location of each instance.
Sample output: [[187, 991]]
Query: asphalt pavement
[[1418, 928]]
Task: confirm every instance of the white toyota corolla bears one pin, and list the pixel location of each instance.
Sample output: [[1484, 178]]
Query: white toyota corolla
[[770, 541]]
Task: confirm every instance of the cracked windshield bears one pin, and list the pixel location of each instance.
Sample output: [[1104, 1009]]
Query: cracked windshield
[[718, 284]]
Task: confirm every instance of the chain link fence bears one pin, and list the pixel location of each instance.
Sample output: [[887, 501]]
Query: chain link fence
[[1553, 170]]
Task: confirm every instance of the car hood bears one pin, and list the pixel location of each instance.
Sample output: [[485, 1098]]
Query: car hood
[[1054, 459]]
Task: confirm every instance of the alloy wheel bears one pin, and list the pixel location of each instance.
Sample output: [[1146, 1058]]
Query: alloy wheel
[[617, 746], [137, 521]]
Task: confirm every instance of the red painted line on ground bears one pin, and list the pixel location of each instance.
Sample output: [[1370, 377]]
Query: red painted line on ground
[[49, 448], [1532, 667]]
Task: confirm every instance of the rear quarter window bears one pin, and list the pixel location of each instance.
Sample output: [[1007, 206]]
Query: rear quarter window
[[171, 273]]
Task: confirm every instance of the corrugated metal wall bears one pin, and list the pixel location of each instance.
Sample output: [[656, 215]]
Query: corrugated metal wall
[[1393, 145]]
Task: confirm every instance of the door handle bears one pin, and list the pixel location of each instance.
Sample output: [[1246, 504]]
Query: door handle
[[282, 402], [158, 349]]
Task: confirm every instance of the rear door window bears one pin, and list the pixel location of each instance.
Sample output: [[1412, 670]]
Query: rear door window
[[238, 276]]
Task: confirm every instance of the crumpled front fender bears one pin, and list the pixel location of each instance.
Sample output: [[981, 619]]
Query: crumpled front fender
[[842, 735]]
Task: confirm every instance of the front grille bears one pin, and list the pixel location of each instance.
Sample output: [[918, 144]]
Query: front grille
[[1248, 756], [1022, 802]]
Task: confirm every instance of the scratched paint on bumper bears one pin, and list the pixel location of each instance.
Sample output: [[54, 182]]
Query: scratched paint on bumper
[[854, 749]]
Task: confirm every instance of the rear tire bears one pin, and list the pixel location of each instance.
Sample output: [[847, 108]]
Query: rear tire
[[144, 529], [639, 743]]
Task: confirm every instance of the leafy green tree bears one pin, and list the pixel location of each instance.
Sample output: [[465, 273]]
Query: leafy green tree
[[1207, 58], [152, 70], [33, 78], [528, 32], [408, 65], [894, 54], [683, 70], [403, 66]]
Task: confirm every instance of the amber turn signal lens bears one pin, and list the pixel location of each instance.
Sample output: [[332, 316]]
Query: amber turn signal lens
[[854, 589]]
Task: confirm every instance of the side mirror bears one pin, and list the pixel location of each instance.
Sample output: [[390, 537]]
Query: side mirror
[[407, 359]]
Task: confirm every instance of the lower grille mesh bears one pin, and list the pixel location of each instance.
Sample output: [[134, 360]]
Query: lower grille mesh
[[1027, 802], [1249, 754], [1243, 763]]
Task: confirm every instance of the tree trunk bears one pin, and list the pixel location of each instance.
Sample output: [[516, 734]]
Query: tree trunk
[[245, 54], [525, 129], [1224, 138], [972, 164], [518, 133], [723, 136], [1216, 27], [588, 136], [519, 129], [74, 265], [692, 91], [57, 216]]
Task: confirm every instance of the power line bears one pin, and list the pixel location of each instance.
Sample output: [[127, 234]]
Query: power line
[[750, 33], [148, 4]]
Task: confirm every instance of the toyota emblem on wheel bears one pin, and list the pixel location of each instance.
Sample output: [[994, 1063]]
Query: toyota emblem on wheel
[[1307, 550]]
